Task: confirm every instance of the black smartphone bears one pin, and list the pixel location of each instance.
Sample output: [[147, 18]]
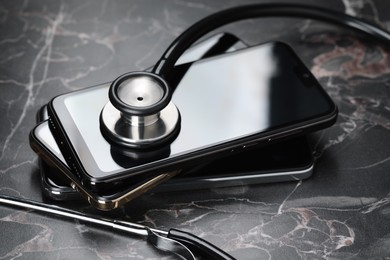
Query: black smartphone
[[289, 160], [228, 103]]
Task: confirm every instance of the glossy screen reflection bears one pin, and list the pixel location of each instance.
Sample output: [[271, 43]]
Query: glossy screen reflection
[[222, 98], [226, 97]]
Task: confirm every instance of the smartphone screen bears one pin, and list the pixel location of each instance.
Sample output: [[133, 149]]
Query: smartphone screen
[[226, 103]]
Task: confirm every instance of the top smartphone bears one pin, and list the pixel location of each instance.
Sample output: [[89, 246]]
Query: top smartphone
[[227, 104], [282, 161]]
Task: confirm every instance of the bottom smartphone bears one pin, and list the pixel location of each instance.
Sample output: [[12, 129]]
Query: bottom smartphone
[[284, 161]]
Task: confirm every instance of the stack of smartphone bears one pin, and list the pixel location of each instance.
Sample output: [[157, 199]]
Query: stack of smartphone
[[244, 115]]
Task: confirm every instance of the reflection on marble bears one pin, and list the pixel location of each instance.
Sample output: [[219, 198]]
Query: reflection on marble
[[342, 211]]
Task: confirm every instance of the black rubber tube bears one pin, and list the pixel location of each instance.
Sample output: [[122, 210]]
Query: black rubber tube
[[198, 245], [209, 23]]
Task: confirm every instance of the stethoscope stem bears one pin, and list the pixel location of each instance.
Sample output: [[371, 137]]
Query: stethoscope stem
[[154, 236], [132, 228]]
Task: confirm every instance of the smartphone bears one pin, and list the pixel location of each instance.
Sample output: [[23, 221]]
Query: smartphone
[[290, 160], [228, 103], [283, 161]]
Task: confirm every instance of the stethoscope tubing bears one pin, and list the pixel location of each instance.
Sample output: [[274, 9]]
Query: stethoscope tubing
[[165, 64]]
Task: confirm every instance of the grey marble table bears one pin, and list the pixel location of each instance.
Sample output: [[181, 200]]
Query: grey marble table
[[341, 212]]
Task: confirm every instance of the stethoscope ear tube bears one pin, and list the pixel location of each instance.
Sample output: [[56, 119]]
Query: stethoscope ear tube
[[164, 66]]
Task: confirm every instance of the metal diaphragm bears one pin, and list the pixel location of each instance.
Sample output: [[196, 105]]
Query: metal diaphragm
[[139, 114]]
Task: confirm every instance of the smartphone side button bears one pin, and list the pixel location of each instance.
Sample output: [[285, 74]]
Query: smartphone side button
[[73, 185], [285, 135], [245, 146]]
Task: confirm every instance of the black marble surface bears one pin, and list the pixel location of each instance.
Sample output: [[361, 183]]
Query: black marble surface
[[341, 212]]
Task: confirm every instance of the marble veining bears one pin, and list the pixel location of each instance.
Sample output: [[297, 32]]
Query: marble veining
[[341, 212]]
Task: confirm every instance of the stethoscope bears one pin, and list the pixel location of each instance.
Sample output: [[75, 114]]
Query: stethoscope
[[140, 114]]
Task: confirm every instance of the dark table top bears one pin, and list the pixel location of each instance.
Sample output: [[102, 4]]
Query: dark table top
[[342, 211]]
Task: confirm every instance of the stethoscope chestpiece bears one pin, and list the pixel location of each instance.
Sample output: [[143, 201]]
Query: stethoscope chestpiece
[[140, 114]]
